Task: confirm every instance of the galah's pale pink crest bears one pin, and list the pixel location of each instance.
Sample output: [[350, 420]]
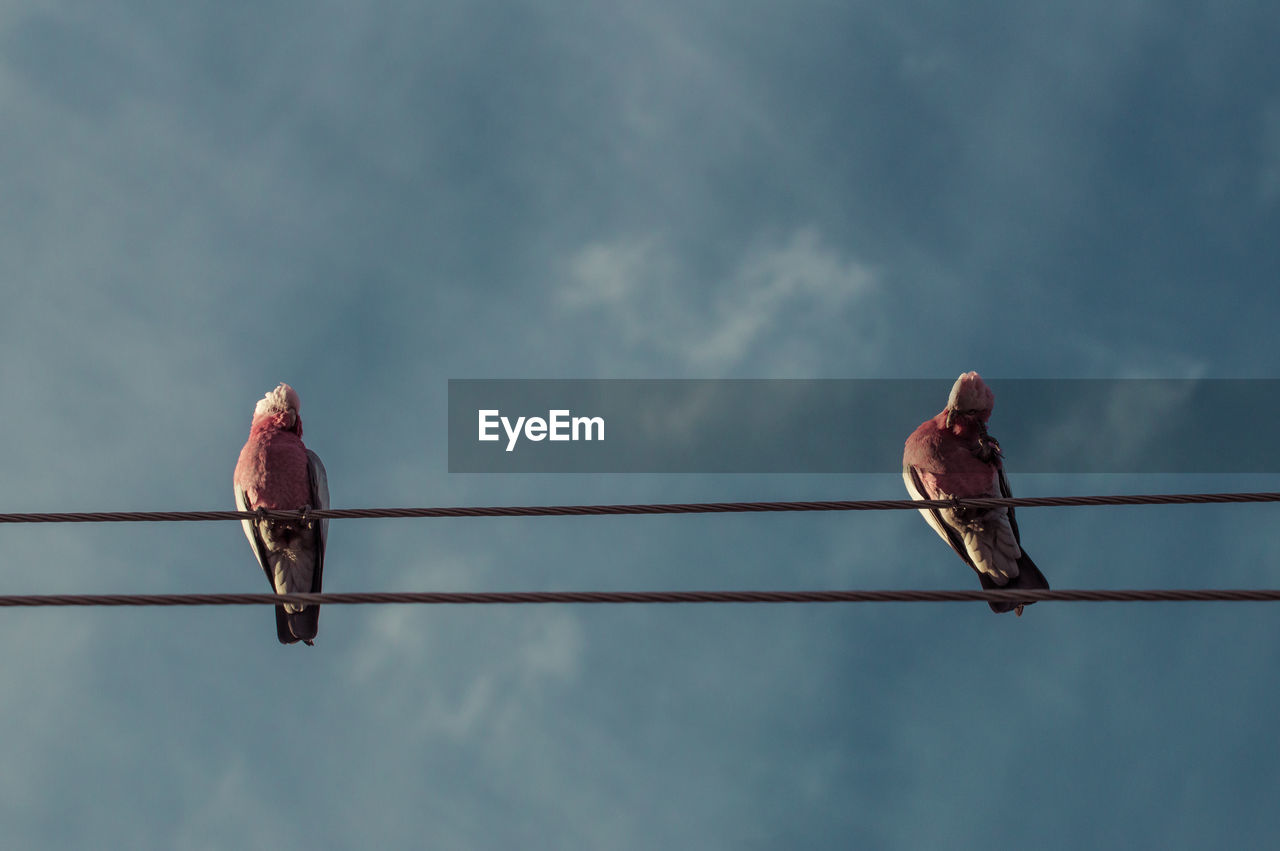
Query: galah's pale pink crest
[[277, 471], [952, 455]]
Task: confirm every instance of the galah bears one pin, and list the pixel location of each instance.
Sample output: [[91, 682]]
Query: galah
[[277, 471], [951, 455]]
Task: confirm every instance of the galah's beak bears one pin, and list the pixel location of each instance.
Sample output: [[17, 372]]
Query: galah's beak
[[951, 416]]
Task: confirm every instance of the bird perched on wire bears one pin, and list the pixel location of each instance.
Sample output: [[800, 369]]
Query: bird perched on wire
[[951, 455], [276, 471]]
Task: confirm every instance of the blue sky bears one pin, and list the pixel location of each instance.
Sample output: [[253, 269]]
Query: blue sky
[[200, 200]]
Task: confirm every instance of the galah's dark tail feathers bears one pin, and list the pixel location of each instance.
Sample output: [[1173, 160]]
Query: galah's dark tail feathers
[[283, 632], [1029, 577], [304, 624]]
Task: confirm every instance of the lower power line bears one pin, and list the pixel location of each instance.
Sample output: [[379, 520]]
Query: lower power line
[[528, 597]]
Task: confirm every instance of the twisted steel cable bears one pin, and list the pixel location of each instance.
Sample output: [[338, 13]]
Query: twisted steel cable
[[1223, 595], [658, 508]]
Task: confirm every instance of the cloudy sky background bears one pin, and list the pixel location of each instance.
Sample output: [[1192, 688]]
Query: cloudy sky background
[[200, 200]]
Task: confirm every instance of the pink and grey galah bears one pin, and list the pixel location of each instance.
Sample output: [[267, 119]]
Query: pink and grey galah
[[276, 471], [950, 456]]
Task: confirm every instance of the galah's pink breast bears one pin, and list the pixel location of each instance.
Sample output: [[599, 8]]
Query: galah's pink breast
[[272, 470], [947, 463]]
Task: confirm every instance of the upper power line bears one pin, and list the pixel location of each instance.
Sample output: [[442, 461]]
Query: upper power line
[[654, 508]]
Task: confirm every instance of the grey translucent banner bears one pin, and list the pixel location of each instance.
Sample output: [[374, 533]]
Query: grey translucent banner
[[855, 425]]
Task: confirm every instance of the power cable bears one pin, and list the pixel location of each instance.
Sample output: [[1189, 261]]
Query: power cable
[[1221, 595], [657, 508]]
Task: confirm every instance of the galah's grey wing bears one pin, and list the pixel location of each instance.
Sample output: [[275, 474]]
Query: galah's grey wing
[[1005, 492], [305, 624], [251, 532], [1029, 574], [319, 499], [915, 488], [283, 633]]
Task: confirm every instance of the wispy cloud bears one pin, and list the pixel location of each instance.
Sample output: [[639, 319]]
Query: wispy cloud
[[753, 319]]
